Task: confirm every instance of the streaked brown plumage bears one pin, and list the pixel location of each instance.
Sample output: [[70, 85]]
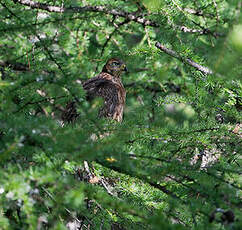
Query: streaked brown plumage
[[69, 114], [107, 85]]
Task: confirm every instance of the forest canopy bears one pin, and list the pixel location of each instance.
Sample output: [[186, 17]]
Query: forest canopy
[[174, 162]]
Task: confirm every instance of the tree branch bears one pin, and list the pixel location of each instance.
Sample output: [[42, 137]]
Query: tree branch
[[188, 61], [203, 31], [127, 15], [198, 12], [102, 9]]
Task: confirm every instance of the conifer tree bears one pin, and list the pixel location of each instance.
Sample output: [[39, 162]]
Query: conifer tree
[[174, 162]]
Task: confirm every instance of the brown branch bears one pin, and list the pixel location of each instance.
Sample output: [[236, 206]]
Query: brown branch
[[188, 61]]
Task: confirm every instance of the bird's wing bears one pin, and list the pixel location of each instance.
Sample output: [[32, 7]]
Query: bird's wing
[[105, 88]]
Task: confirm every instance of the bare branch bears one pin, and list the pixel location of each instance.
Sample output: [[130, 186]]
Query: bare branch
[[188, 61]]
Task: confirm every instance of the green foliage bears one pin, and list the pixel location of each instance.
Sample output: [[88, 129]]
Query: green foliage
[[175, 160]]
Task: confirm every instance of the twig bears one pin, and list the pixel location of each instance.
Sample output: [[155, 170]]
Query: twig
[[110, 36], [216, 7], [204, 31], [188, 61], [208, 31], [105, 186], [192, 11], [90, 174], [87, 169], [198, 12]]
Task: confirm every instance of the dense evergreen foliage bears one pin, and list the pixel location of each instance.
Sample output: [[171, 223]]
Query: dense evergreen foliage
[[173, 163]]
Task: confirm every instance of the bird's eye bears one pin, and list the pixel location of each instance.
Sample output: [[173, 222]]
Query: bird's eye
[[115, 63]]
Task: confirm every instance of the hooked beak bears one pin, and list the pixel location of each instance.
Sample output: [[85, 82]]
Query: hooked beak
[[124, 68]]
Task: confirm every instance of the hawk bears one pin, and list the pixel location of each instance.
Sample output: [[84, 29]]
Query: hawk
[[107, 85]]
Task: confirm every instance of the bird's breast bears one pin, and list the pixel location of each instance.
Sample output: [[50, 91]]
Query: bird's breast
[[121, 92]]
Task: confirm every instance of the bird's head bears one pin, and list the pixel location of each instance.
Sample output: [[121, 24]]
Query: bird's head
[[114, 67]]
